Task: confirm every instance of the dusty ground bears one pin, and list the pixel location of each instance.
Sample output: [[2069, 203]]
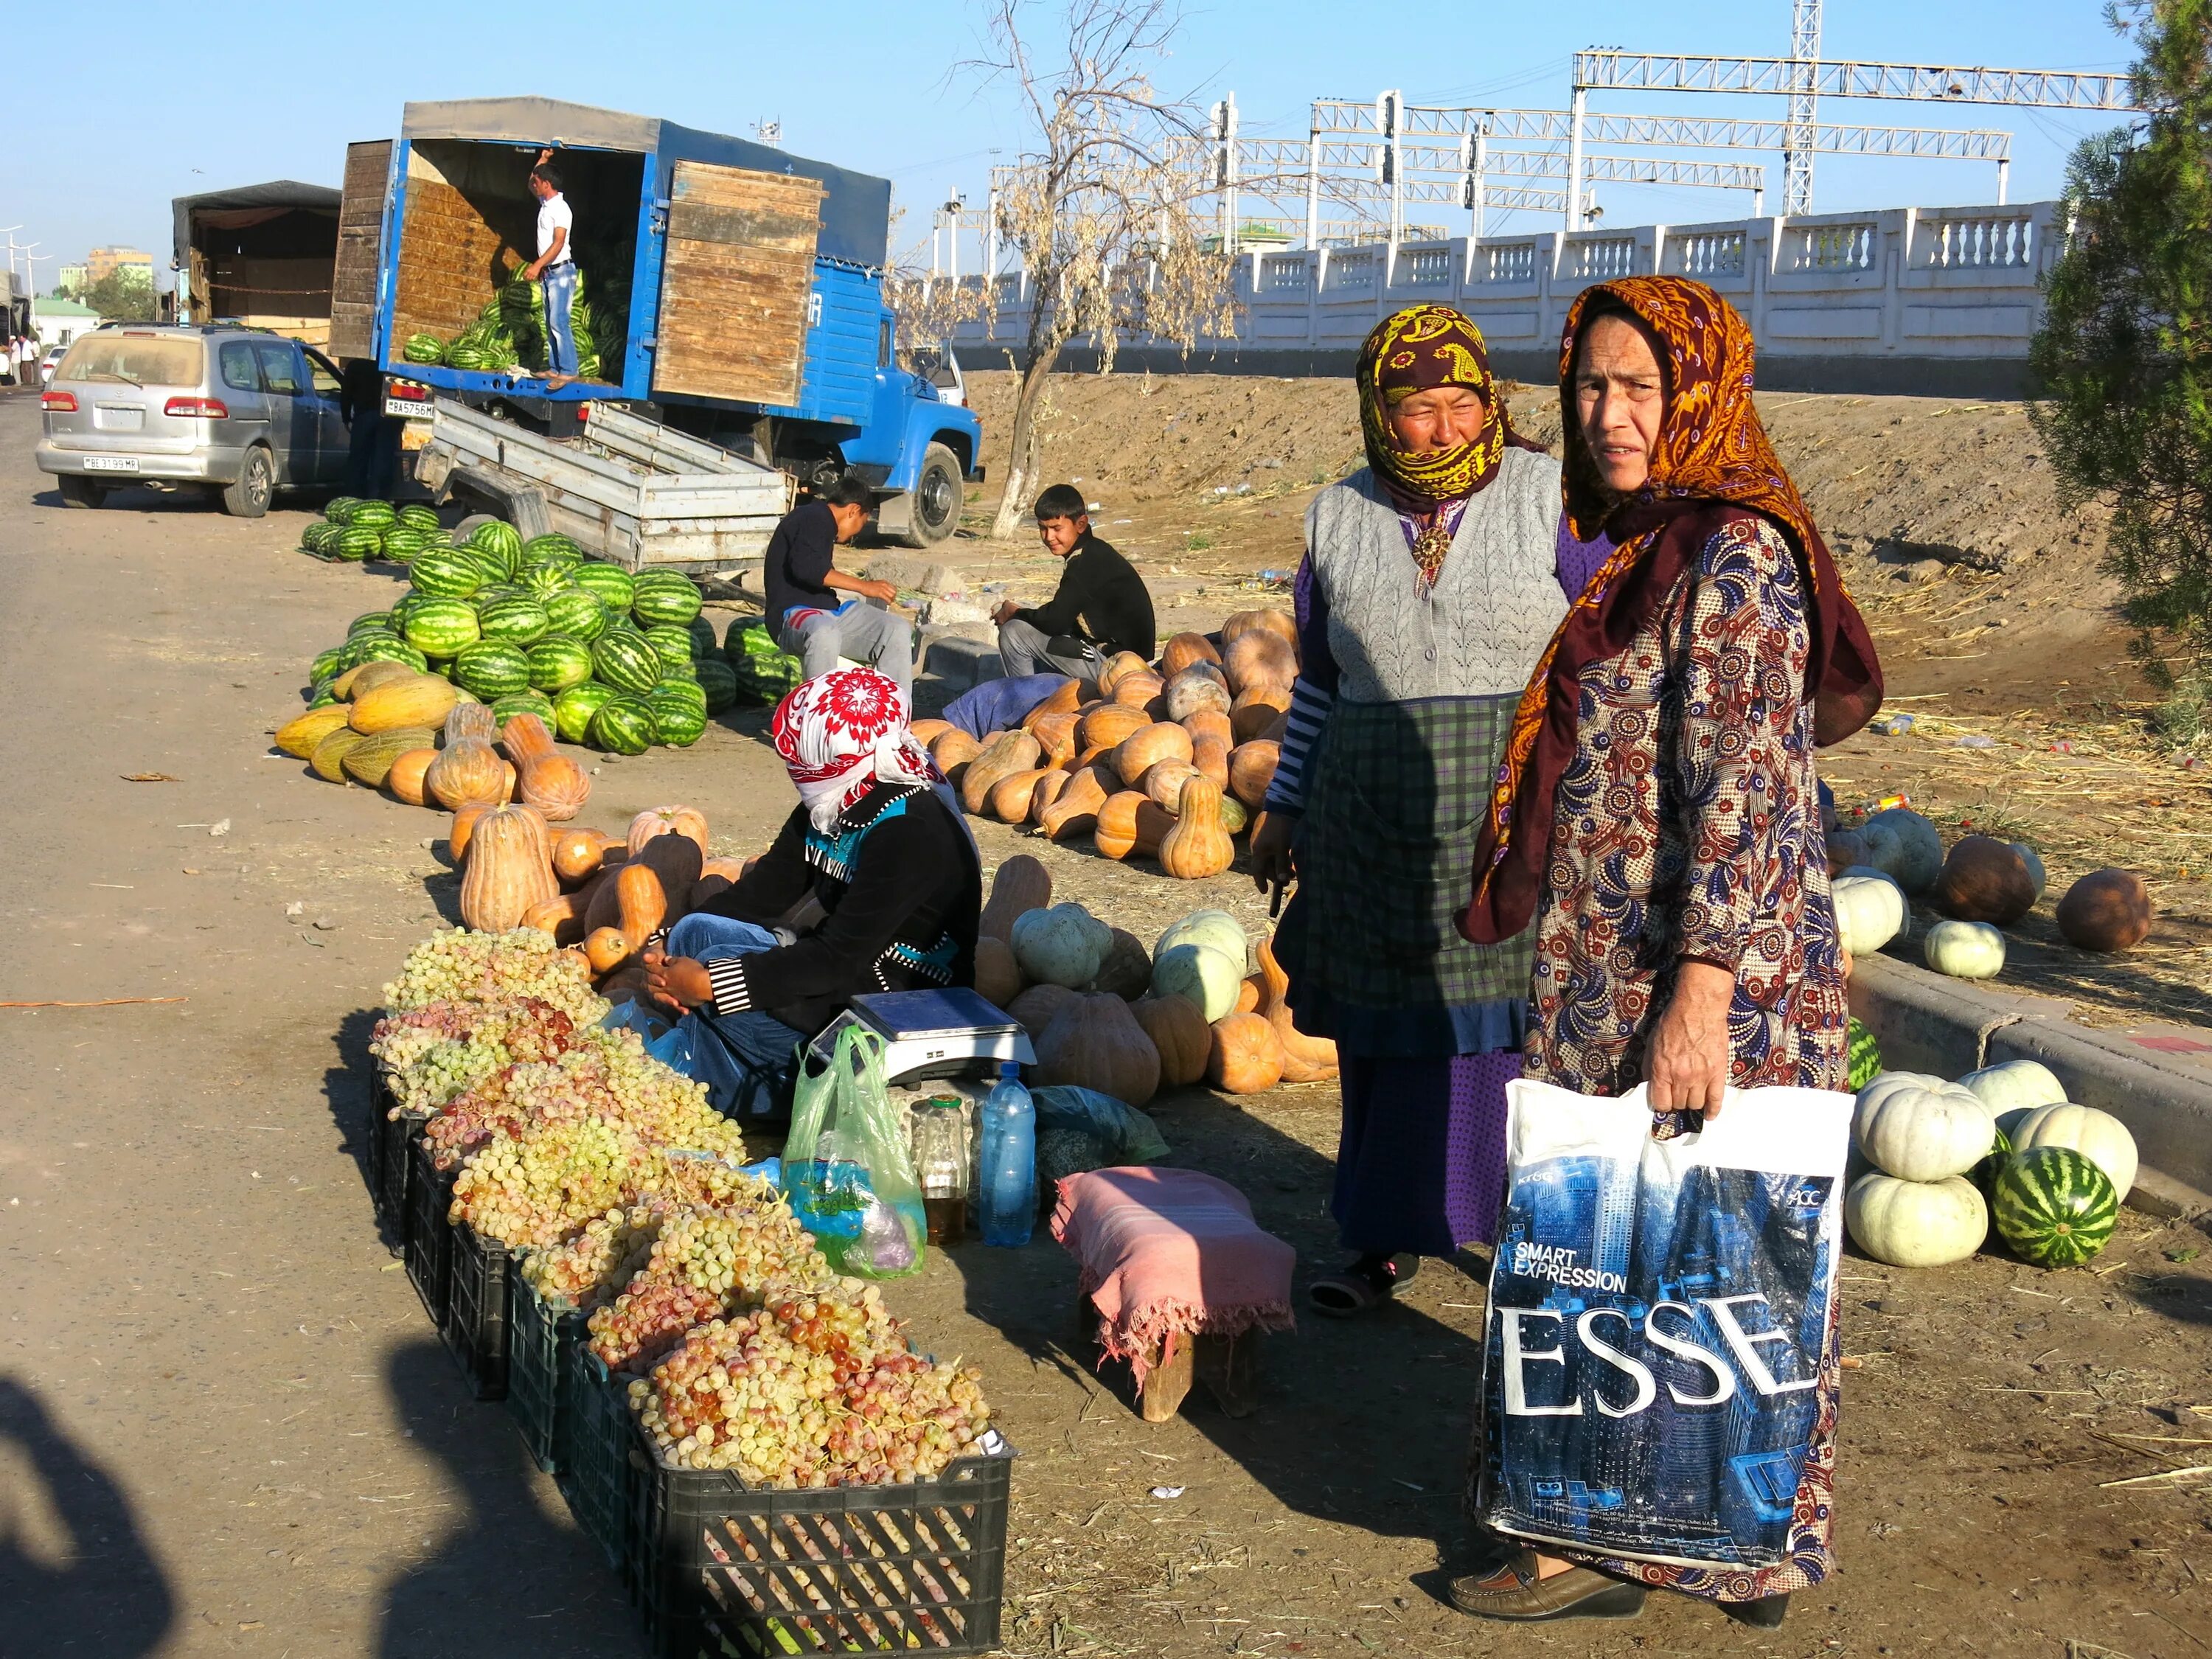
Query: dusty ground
[[225, 1427]]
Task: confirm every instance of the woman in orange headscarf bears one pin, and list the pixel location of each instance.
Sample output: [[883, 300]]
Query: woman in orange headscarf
[[1657, 811]]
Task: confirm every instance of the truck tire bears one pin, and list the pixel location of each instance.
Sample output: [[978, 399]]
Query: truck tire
[[79, 492], [934, 507], [250, 496]]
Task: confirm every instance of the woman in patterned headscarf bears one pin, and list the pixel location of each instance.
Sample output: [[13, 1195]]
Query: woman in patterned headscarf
[[1427, 589], [1656, 811], [872, 885]]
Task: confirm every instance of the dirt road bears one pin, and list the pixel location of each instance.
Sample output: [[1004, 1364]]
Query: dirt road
[[225, 1428]]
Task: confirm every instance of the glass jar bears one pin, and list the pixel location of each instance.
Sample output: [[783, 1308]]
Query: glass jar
[[940, 1161]]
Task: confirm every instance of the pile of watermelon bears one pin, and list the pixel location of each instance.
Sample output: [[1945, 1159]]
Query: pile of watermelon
[[509, 332], [618, 662], [354, 530], [764, 671]]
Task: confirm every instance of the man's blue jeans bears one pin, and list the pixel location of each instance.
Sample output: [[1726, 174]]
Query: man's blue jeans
[[560, 282], [747, 1061]]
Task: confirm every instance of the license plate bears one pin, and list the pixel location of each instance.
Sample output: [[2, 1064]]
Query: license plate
[[111, 462], [406, 408]]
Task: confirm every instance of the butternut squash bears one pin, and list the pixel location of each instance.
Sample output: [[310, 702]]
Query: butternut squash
[[1014, 751], [998, 975], [1065, 701], [1021, 885], [1179, 1036], [506, 872], [1036, 1006], [1049, 787], [1145, 749], [1131, 822], [1248, 995], [952, 749], [526, 739], [1074, 811], [674, 863], [562, 916], [929, 731], [468, 772], [1010, 798], [1305, 1058], [463, 826], [1095, 1042], [642, 902], [1197, 845], [1055, 735]]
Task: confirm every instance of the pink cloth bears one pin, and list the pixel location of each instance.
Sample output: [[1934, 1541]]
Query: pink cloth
[[1164, 1251]]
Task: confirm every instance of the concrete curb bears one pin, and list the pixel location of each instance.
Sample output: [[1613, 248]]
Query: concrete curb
[[2156, 1079]]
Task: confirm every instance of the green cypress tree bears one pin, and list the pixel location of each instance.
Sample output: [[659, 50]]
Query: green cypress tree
[[2124, 354]]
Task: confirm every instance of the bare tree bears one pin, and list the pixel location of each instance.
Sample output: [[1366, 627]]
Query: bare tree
[[1103, 207]]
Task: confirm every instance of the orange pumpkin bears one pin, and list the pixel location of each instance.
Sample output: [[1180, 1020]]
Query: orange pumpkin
[[467, 773], [1179, 1036], [1259, 657], [1130, 822], [998, 975], [506, 872], [952, 749], [1245, 1057], [554, 784], [927, 732], [1010, 796], [1138, 691], [1036, 1006], [1118, 667], [1075, 809], [1305, 1058], [1210, 723], [1251, 769], [577, 853], [607, 949], [1211, 756], [1095, 1042], [1108, 727], [562, 916], [1198, 845], [405, 779], [1184, 650], [459, 831], [1199, 686], [1240, 622], [1255, 711], [669, 821], [1164, 783], [1248, 995], [1147, 748]]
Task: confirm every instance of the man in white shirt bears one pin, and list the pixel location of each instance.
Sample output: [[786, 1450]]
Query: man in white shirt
[[554, 268]]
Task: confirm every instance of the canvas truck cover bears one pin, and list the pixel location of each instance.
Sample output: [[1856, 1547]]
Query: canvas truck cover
[[855, 207]]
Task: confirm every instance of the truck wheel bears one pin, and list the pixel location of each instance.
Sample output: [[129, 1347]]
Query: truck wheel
[[934, 512], [79, 492], [250, 496]]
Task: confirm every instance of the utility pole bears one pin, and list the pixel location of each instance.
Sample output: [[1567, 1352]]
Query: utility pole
[[1388, 120], [1804, 106], [1224, 168], [1575, 111], [1313, 189], [1474, 164]]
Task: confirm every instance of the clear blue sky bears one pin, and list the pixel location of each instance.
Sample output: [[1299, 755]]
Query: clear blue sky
[[133, 104]]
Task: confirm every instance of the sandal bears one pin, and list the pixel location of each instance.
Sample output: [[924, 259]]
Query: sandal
[[1516, 1594], [1367, 1282], [1765, 1613]]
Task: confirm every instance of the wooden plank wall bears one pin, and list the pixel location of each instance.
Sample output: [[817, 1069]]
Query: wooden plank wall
[[361, 249], [450, 251], [739, 265]]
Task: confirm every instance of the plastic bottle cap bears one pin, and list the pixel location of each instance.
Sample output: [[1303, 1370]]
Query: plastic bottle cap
[[1010, 1071]]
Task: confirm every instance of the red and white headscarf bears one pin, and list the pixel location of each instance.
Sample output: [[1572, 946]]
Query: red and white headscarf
[[841, 733]]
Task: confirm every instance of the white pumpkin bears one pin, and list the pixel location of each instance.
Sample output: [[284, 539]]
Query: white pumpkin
[[2028, 857], [2098, 1136], [1921, 1129], [1216, 928], [1870, 911], [1201, 977], [1964, 949], [1916, 1223], [1919, 858], [2009, 1088], [1063, 946]]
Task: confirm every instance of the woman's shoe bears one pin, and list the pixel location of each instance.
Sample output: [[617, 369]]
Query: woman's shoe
[[1367, 1282], [1765, 1613], [1516, 1594]]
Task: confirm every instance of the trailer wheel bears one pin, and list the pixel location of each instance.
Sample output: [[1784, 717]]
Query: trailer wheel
[[934, 512]]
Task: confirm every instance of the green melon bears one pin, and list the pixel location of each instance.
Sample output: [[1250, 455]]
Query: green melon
[[551, 545], [524, 701], [672, 645], [442, 627], [416, 516], [491, 669], [1864, 1056], [665, 596], [624, 725], [2054, 1208], [448, 575], [613, 587], [626, 662], [557, 664], [574, 708], [573, 614], [368, 619], [718, 681], [677, 721], [500, 540], [518, 622]]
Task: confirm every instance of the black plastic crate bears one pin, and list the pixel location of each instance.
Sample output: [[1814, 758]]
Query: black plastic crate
[[593, 1451], [475, 1325], [539, 1379], [391, 1160], [719, 1568], [429, 1249]]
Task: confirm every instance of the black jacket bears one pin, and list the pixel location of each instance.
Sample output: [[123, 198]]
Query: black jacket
[[902, 894], [802, 552], [1102, 599]]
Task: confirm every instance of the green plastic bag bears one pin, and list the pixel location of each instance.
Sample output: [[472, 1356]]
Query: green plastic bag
[[846, 1169]]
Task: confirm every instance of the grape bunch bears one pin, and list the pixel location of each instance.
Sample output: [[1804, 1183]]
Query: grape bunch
[[537, 1186], [459, 966], [810, 1393], [587, 1267], [704, 1263], [434, 1054]]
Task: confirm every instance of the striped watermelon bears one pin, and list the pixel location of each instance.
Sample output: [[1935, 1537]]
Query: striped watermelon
[[323, 696], [491, 669], [524, 701], [492, 593], [358, 541], [574, 708], [665, 596], [416, 516], [702, 639], [544, 579], [677, 720], [673, 647], [1864, 1056], [387, 647], [377, 515], [402, 542], [446, 576], [573, 614], [718, 681], [1984, 1175], [626, 662], [623, 724], [551, 545], [557, 664], [487, 562], [325, 666], [2054, 1208], [501, 541], [321, 538], [340, 508], [518, 622], [442, 627], [748, 637], [368, 619], [613, 587]]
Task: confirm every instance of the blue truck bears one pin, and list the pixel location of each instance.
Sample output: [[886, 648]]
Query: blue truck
[[733, 293]]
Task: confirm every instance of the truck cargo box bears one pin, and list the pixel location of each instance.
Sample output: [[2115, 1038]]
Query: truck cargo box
[[260, 254]]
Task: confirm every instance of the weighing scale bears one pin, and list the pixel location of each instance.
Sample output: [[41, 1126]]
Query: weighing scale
[[932, 1034]]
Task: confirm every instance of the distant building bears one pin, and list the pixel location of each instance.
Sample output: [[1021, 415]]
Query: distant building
[[72, 279], [102, 262], [59, 322]]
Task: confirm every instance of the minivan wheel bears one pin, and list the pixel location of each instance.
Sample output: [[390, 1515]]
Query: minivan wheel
[[79, 492], [257, 482]]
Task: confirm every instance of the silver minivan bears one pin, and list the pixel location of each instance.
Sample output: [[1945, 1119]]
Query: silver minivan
[[239, 411]]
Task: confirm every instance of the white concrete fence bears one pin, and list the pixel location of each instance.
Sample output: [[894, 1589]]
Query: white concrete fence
[[1937, 300]]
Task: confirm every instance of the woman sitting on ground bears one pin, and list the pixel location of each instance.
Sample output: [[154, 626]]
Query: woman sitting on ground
[[873, 884]]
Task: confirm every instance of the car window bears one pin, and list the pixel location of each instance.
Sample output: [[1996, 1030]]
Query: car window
[[236, 359], [280, 365], [322, 376], [135, 359]]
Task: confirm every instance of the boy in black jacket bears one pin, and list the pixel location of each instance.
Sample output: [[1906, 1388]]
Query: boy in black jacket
[[1101, 605]]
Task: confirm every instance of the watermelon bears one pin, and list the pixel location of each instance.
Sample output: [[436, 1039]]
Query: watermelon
[[673, 647], [391, 649], [665, 596], [340, 509], [461, 356], [424, 348], [2054, 1208], [416, 516], [574, 708], [1984, 1175], [322, 697], [702, 639], [492, 593], [487, 562], [544, 579], [491, 669], [626, 662], [610, 584], [718, 681], [319, 537], [623, 724], [557, 664], [358, 541], [377, 515], [442, 627], [1864, 1055], [677, 720], [748, 637], [573, 614], [500, 540], [519, 622], [553, 545], [524, 701], [368, 619], [446, 576], [325, 666]]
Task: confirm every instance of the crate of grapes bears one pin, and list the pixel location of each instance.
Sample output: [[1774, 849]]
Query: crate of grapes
[[539, 1336], [719, 1567], [593, 1448], [430, 1248], [475, 1325]]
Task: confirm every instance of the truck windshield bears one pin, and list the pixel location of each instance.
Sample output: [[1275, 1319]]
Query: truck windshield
[[139, 359]]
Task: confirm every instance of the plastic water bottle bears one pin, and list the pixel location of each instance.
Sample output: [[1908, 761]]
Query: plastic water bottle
[[1006, 1204]]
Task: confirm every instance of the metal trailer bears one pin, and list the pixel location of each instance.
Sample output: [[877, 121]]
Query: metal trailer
[[631, 490]]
